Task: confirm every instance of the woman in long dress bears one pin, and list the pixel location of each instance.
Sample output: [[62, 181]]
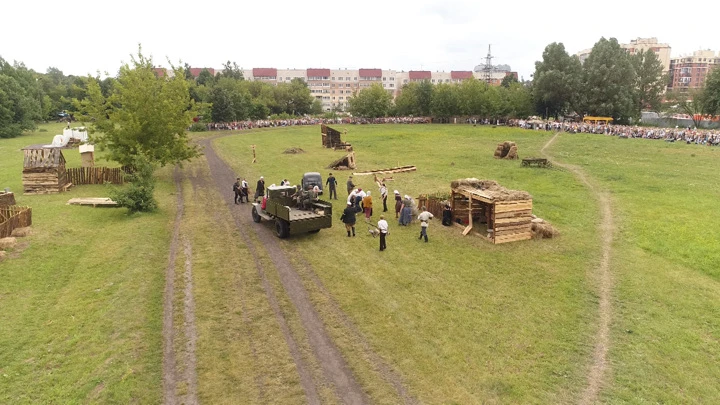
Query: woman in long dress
[[406, 211], [398, 203]]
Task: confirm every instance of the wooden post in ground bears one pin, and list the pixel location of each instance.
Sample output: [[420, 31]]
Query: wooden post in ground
[[253, 149]]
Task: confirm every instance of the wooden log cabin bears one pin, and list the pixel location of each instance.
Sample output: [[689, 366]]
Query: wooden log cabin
[[44, 170], [493, 212]]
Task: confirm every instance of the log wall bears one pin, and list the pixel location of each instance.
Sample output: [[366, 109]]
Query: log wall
[[12, 217]]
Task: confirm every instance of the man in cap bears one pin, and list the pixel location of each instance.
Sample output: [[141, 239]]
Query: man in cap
[[350, 185], [382, 226], [237, 191], [331, 182], [424, 217]]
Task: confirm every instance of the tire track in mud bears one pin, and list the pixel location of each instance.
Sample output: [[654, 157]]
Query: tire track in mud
[[337, 374], [597, 374]]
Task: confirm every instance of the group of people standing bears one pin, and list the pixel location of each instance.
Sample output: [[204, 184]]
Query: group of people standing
[[361, 201]]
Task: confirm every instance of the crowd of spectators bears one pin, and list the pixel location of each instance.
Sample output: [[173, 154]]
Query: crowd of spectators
[[249, 124], [709, 137]]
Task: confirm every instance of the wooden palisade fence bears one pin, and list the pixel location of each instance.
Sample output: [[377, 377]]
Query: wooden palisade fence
[[12, 217], [95, 175]]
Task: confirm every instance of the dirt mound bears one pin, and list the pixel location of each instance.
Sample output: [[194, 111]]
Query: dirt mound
[[492, 188], [293, 151]]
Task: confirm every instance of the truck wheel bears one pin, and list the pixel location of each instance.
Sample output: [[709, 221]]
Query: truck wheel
[[255, 215], [282, 228]]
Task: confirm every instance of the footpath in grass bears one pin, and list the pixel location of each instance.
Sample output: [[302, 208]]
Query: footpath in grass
[[664, 336]]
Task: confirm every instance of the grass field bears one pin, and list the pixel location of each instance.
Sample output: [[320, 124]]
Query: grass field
[[461, 320]]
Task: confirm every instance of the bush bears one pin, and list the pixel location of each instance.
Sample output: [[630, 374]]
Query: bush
[[138, 196], [198, 127]]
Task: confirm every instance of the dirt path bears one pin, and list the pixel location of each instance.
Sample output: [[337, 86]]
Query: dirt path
[[603, 278], [335, 370], [168, 331], [187, 360]]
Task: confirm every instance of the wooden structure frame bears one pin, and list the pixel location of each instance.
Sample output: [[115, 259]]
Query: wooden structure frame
[[44, 170], [331, 138], [346, 162], [507, 220]]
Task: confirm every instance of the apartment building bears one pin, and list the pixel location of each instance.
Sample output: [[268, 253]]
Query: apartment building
[[662, 51], [690, 71], [334, 87]]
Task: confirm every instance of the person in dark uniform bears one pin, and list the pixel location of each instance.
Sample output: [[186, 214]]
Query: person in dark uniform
[[447, 215], [331, 182], [350, 185], [260, 188], [236, 189]]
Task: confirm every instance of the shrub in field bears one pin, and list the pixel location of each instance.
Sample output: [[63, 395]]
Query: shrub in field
[[138, 195]]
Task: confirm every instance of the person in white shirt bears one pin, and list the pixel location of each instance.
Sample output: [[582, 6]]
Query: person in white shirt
[[383, 228], [424, 218]]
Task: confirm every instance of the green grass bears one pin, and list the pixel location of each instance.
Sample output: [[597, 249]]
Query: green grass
[[461, 320], [81, 301]]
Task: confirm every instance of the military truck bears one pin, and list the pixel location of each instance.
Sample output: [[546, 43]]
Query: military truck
[[278, 205]]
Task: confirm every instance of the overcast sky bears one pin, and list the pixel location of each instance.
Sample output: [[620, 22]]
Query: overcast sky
[[83, 37]]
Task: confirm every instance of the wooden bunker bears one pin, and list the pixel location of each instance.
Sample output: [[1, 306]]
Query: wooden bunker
[[494, 212], [331, 138], [44, 170], [346, 162]]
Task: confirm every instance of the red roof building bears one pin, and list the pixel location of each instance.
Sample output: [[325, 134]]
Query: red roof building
[[420, 74], [318, 74], [265, 73], [195, 72], [461, 74], [370, 73]]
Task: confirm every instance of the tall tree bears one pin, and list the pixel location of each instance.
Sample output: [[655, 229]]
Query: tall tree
[[371, 102], [20, 100], [231, 70], [294, 98], [651, 82], [692, 102], [712, 91], [556, 81], [205, 78], [470, 98], [508, 80], [406, 103], [445, 101], [145, 116], [425, 92], [609, 82]]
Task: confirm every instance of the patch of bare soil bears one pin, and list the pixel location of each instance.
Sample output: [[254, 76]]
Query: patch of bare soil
[[597, 374], [335, 370]]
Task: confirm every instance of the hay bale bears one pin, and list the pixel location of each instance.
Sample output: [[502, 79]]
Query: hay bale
[[3, 255], [8, 243], [513, 153], [543, 230], [293, 151], [21, 232]]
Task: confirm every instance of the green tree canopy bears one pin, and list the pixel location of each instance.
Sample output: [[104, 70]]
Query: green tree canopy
[[556, 81], [231, 70], [445, 101], [651, 82], [712, 92], [294, 98], [20, 100], [144, 116], [371, 102], [609, 82]]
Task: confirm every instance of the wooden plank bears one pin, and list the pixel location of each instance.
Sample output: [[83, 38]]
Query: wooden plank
[[514, 221], [400, 169], [512, 232], [513, 227], [513, 207], [513, 214], [467, 230], [513, 238]]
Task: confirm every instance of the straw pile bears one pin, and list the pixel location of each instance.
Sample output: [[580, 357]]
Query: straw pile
[[543, 230], [492, 188], [506, 150], [293, 151]]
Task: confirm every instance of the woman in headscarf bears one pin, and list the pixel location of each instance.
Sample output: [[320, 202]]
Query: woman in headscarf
[[367, 206], [406, 211]]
